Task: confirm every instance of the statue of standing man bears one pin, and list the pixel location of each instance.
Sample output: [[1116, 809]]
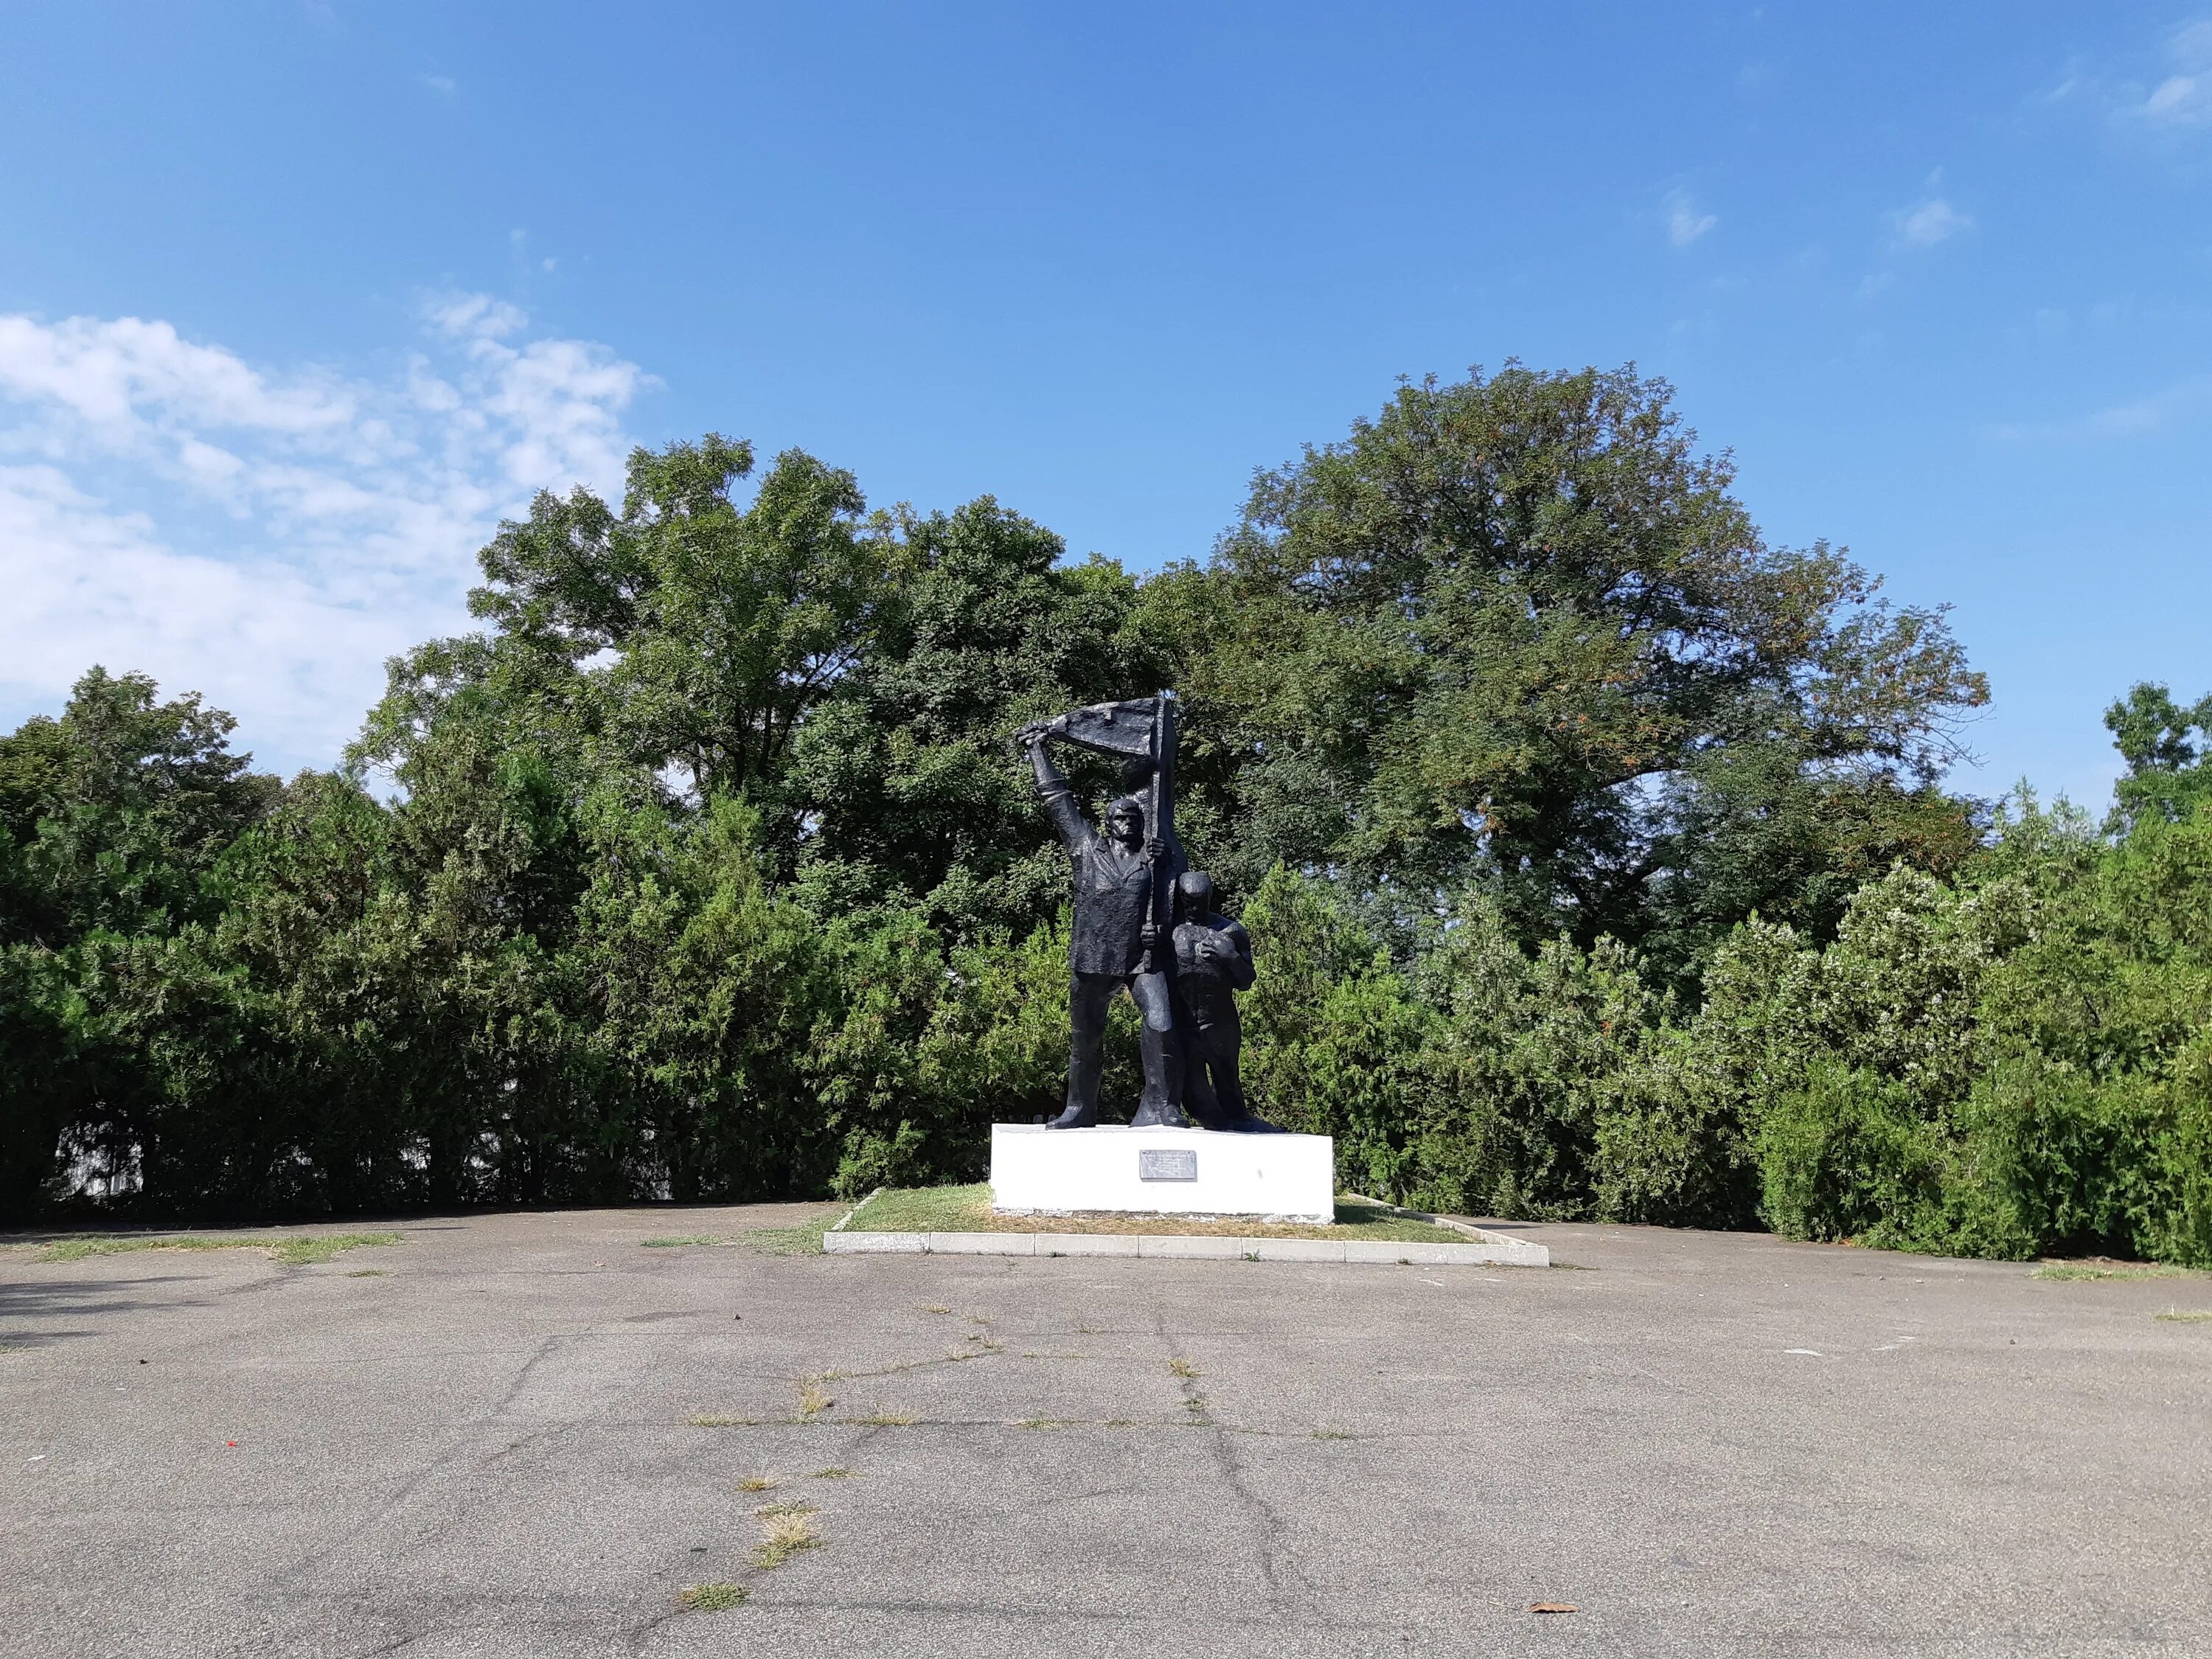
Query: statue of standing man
[[1125, 876]]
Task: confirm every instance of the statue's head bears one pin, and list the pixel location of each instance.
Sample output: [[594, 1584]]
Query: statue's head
[[1125, 821], [1195, 892]]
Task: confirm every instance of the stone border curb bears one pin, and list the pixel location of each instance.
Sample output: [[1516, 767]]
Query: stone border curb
[[1486, 1249]]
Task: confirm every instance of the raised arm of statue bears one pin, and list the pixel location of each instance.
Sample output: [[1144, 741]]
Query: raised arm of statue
[[1075, 830]]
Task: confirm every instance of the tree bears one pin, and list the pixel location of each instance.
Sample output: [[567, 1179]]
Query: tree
[[723, 626], [112, 820], [2166, 776], [904, 772], [114, 814], [1505, 628]]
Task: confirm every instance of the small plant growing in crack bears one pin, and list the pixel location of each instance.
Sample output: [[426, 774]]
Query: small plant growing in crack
[[787, 1528], [757, 1482], [708, 1421], [888, 1419], [933, 1308], [833, 1475], [712, 1598], [812, 1402], [1183, 1368]]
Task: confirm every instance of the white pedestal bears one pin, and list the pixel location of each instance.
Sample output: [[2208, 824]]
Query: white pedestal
[[1040, 1171]]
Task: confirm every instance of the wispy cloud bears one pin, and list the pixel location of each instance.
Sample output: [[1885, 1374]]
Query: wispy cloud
[[1685, 224], [1928, 223], [2165, 93], [2181, 401], [268, 537], [443, 85], [2184, 97]]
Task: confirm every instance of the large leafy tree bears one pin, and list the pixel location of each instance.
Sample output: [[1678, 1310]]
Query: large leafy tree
[[2165, 745], [114, 819], [905, 774], [112, 816], [685, 640], [1517, 627]]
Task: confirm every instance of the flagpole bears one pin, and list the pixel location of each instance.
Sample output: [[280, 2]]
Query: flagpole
[[1161, 830]]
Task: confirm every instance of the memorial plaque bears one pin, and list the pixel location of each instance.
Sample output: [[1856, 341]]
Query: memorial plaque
[[1167, 1165]]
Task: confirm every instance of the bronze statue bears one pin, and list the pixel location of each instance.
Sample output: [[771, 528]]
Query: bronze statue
[[1213, 961], [1127, 879]]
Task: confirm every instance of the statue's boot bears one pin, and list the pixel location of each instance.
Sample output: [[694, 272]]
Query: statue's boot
[[1160, 1108], [1076, 1117]]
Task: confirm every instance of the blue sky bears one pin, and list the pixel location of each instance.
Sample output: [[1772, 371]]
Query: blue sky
[[297, 299]]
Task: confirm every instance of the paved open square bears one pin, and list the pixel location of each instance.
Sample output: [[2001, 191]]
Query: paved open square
[[528, 1434]]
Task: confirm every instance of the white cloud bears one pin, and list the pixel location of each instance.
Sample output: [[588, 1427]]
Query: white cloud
[[269, 538], [474, 316], [2176, 94], [2173, 405], [1685, 224], [1926, 223], [2179, 98], [444, 85]]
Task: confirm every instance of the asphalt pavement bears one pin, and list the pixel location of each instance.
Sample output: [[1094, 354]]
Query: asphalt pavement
[[524, 1435]]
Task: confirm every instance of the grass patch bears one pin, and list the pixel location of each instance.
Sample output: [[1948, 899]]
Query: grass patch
[[712, 1598], [2188, 1315], [812, 1402], [1183, 1368], [968, 1210], [300, 1252], [366, 1272], [887, 1421], [2108, 1270], [833, 1475], [804, 1240], [787, 1528], [757, 1482]]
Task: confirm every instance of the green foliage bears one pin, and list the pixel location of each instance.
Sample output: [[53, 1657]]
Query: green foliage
[[904, 772], [1516, 628], [2166, 777], [1593, 852], [1848, 1154]]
